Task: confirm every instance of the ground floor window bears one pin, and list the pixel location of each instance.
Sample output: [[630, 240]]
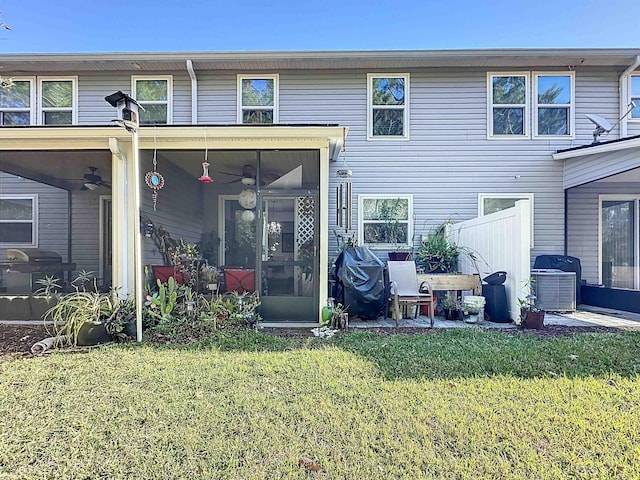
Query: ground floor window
[[619, 241], [385, 220], [18, 220]]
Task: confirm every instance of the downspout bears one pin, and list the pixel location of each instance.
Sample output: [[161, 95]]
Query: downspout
[[566, 221], [194, 93], [69, 233], [624, 94]]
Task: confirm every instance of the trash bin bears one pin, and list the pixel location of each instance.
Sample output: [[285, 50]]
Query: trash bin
[[496, 308], [360, 284]]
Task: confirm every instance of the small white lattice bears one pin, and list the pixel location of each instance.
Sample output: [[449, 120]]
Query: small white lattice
[[305, 207]]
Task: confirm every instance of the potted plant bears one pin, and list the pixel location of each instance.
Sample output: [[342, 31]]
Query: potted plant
[[81, 316], [394, 232], [451, 306], [209, 275], [436, 253], [339, 317], [530, 315]]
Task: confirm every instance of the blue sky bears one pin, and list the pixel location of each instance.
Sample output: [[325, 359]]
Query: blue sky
[[197, 25]]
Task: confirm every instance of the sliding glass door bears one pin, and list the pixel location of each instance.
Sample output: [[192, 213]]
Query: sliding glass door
[[619, 242]]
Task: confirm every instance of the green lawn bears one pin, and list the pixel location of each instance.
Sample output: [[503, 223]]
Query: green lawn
[[453, 404]]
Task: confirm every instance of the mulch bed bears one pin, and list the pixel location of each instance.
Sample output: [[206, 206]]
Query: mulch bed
[[16, 340]]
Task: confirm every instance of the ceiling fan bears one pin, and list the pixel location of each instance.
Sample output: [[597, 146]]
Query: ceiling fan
[[93, 180], [248, 175]]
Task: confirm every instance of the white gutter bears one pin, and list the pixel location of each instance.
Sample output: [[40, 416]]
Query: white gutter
[[194, 92], [624, 94]]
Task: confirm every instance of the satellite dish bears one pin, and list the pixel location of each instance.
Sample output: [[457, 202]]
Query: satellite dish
[[603, 125]]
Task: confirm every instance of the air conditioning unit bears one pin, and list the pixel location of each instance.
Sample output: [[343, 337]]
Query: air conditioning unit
[[555, 290]]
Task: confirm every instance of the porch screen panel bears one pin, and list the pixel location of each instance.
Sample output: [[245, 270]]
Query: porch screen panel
[[618, 243]]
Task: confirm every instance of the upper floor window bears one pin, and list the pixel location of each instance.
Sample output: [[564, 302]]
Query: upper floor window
[[58, 101], [385, 220], [388, 100], [508, 100], [154, 94], [553, 104], [635, 95], [18, 220], [16, 103], [258, 99]]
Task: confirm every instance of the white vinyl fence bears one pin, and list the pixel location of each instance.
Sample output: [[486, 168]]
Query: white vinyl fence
[[501, 242]]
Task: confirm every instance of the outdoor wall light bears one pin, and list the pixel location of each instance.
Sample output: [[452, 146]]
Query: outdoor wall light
[[148, 230]]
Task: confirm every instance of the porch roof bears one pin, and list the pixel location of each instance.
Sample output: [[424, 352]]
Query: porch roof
[[589, 163], [188, 137]]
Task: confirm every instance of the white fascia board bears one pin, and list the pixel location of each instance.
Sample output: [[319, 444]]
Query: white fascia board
[[604, 148]]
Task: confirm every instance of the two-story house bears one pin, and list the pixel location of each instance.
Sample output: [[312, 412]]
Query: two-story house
[[451, 134]]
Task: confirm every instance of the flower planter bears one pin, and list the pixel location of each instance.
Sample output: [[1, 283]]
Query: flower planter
[[399, 256], [92, 333], [450, 314], [533, 320]]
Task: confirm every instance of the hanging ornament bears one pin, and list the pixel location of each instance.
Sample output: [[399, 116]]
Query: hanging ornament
[[247, 198], [205, 178], [153, 179], [248, 216], [344, 196]]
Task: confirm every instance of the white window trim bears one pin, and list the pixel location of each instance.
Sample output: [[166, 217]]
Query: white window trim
[[571, 105], [636, 226], [32, 99], [527, 196], [631, 97], [527, 102], [361, 221], [74, 106], [168, 102], [276, 95], [405, 107], [34, 219]]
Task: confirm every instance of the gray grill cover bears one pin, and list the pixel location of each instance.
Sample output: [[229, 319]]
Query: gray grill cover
[[360, 286]]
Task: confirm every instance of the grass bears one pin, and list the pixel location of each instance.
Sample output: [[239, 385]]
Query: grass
[[454, 404]]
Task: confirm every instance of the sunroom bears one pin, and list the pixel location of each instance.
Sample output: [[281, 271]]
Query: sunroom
[[254, 197]]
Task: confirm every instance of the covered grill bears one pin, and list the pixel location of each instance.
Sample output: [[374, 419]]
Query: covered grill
[[36, 262]]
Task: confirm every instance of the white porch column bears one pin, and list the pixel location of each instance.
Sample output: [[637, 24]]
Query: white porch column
[[324, 228], [122, 262]]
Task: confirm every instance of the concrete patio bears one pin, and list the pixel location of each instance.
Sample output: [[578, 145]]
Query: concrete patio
[[585, 316]]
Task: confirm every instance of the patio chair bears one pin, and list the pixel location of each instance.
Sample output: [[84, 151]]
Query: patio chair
[[405, 291]]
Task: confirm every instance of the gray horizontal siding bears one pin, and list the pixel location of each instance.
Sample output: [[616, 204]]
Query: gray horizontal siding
[[578, 171], [94, 110], [179, 210], [582, 222], [53, 220], [86, 230], [445, 164], [52, 212]]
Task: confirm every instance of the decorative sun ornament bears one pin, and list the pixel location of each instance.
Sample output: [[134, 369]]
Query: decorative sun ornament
[[205, 178], [153, 179], [247, 199]]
